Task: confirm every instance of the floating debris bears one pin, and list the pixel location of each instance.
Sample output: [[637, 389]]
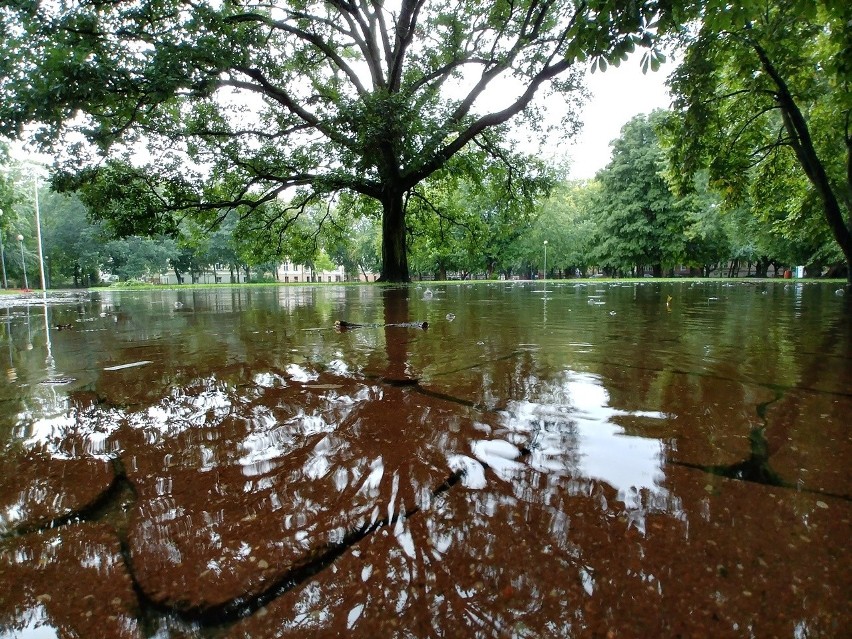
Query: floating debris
[[131, 365], [450, 317], [343, 325], [57, 381]]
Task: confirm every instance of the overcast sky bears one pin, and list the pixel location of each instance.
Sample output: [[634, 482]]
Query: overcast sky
[[617, 95]]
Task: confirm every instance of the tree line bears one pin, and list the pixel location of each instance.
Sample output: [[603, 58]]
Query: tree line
[[286, 121], [627, 221]]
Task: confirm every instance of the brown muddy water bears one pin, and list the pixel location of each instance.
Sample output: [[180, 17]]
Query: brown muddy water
[[596, 460]]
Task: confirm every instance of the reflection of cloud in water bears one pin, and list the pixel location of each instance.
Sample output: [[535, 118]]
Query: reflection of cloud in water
[[301, 374], [91, 435], [571, 431], [34, 623]]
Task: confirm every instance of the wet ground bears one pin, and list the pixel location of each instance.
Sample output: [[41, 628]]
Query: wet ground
[[594, 460]]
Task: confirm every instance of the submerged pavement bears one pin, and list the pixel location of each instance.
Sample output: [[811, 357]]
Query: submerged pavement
[[382, 482]]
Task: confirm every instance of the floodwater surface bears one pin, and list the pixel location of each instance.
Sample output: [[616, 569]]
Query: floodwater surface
[[490, 460]]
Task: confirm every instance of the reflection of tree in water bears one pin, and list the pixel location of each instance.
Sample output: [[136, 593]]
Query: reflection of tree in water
[[318, 497]]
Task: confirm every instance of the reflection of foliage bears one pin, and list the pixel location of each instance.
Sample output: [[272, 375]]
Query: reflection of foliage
[[235, 444]]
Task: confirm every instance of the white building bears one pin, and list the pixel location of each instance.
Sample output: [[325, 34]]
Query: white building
[[287, 272]]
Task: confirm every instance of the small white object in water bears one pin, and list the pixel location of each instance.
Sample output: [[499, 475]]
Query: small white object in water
[[450, 317], [840, 291], [427, 294], [131, 365], [612, 312], [178, 304]]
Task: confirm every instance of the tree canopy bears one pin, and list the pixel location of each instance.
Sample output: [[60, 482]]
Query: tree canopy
[[264, 108], [639, 221], [763, 99]]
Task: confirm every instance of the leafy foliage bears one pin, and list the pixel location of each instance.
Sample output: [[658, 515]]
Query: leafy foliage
[[764, 101], [638, 220], [243, 106]]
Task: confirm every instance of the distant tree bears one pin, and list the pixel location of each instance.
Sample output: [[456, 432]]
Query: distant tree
[[18, 206], [707, 244], [73, 245], [8, 196], [218, 246], [184, 258], [763, 99], [638, 221], [469, 219], [566, 220], [243, 102], [136, 257]]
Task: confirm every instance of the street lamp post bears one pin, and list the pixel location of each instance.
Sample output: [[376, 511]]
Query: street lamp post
[[3, 253], [38, 234], [545, 260], [38, 228], [23, 263]]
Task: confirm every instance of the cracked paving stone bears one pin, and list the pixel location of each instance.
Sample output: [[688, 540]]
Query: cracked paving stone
[[37, 488], [295, 471], [544, 555], [68, 582], [814, 458]]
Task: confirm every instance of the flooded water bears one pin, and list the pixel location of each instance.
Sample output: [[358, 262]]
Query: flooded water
[[594, 460]]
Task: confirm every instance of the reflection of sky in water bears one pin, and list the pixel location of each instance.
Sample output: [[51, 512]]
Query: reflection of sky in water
[[605, 452], [570, 430], [35, 626]]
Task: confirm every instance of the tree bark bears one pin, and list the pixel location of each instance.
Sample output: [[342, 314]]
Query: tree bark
[[394, 240], [800, 139]]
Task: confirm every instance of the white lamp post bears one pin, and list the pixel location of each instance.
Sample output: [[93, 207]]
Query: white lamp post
[[545, 260], [3, 253], [38, 227], [38, 233], [23, 263]]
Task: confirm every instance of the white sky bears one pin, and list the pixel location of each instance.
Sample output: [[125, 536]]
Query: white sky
[[617, 95]]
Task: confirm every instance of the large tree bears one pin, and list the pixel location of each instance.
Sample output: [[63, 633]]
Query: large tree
[[639, 221], [266, 107], [763, 99]]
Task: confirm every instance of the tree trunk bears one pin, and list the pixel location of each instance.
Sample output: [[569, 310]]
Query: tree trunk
[[394, 249], [802, 144]]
